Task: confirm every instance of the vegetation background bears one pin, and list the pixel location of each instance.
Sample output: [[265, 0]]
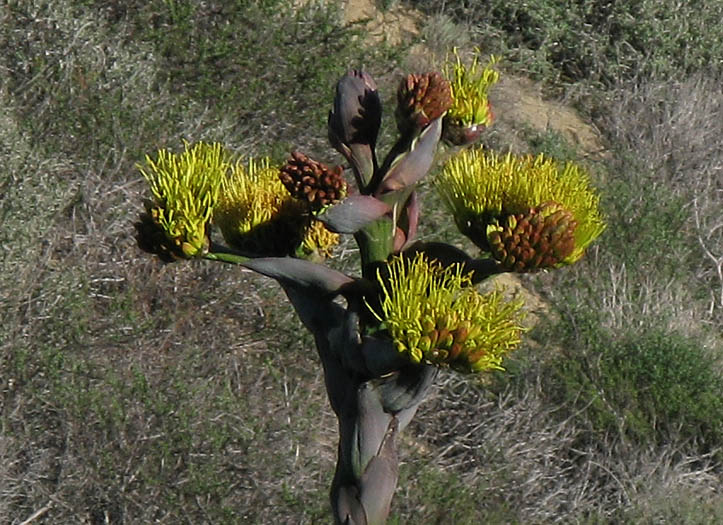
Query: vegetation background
[[137, 392]]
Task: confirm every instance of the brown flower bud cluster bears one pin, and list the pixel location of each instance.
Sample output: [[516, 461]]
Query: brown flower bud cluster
[[421, 99], [312, 181], [446, 342], [541, 238]]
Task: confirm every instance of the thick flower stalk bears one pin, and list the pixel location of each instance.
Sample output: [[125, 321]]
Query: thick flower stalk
[[185, 188], [259, 217], [435, 316], [470, 112], [484, 189]]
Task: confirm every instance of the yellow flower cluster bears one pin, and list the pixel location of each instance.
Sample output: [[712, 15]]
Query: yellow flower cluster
[[185, 188], [257, 215], [435, 316], [470, 86], [482, 188], [318, 241]]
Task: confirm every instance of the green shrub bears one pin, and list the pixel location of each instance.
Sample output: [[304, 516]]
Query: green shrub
[[438, 497], [552, 144], [666, 171], [645, 385], [644, 217], [598, 40]]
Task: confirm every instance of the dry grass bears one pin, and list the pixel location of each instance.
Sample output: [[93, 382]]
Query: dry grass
[[523, 459], [673, 130]]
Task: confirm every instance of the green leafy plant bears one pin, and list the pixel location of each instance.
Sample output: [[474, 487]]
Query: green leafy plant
[[646, 388], [414, 307], [594, 41]]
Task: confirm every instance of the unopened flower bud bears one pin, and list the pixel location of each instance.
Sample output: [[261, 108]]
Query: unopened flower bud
[[428, 325], [541, 238], [420, 100], [312, 181], [425, 344]]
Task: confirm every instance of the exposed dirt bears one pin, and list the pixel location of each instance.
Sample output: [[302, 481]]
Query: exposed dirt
[[393, 25], [519, 102]]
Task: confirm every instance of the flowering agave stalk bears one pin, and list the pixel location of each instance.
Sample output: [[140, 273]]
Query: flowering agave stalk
[[414, 307]]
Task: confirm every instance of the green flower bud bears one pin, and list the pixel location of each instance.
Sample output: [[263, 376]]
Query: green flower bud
[[425, 344], [428, 325]]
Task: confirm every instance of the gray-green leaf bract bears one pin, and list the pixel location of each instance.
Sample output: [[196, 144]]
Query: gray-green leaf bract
[[301, 273], [353, 213], [412, 165]]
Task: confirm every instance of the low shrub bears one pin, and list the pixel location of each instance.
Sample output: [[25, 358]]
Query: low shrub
[[594, 40]]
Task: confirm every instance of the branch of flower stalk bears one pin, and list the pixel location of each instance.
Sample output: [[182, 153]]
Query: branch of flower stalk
[[290, 271], [353, 213], [394, 184], [316, 278], [447, 255], [409, 219], [227, 257], [408, 161], [388, 233], [376, 243]]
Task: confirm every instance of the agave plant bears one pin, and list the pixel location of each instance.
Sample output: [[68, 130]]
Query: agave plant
[[413, 308]]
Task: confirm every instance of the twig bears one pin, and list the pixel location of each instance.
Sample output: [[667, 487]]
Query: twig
[[38, 513]]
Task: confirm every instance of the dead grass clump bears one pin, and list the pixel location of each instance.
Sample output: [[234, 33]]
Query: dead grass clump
[[672, 131]]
